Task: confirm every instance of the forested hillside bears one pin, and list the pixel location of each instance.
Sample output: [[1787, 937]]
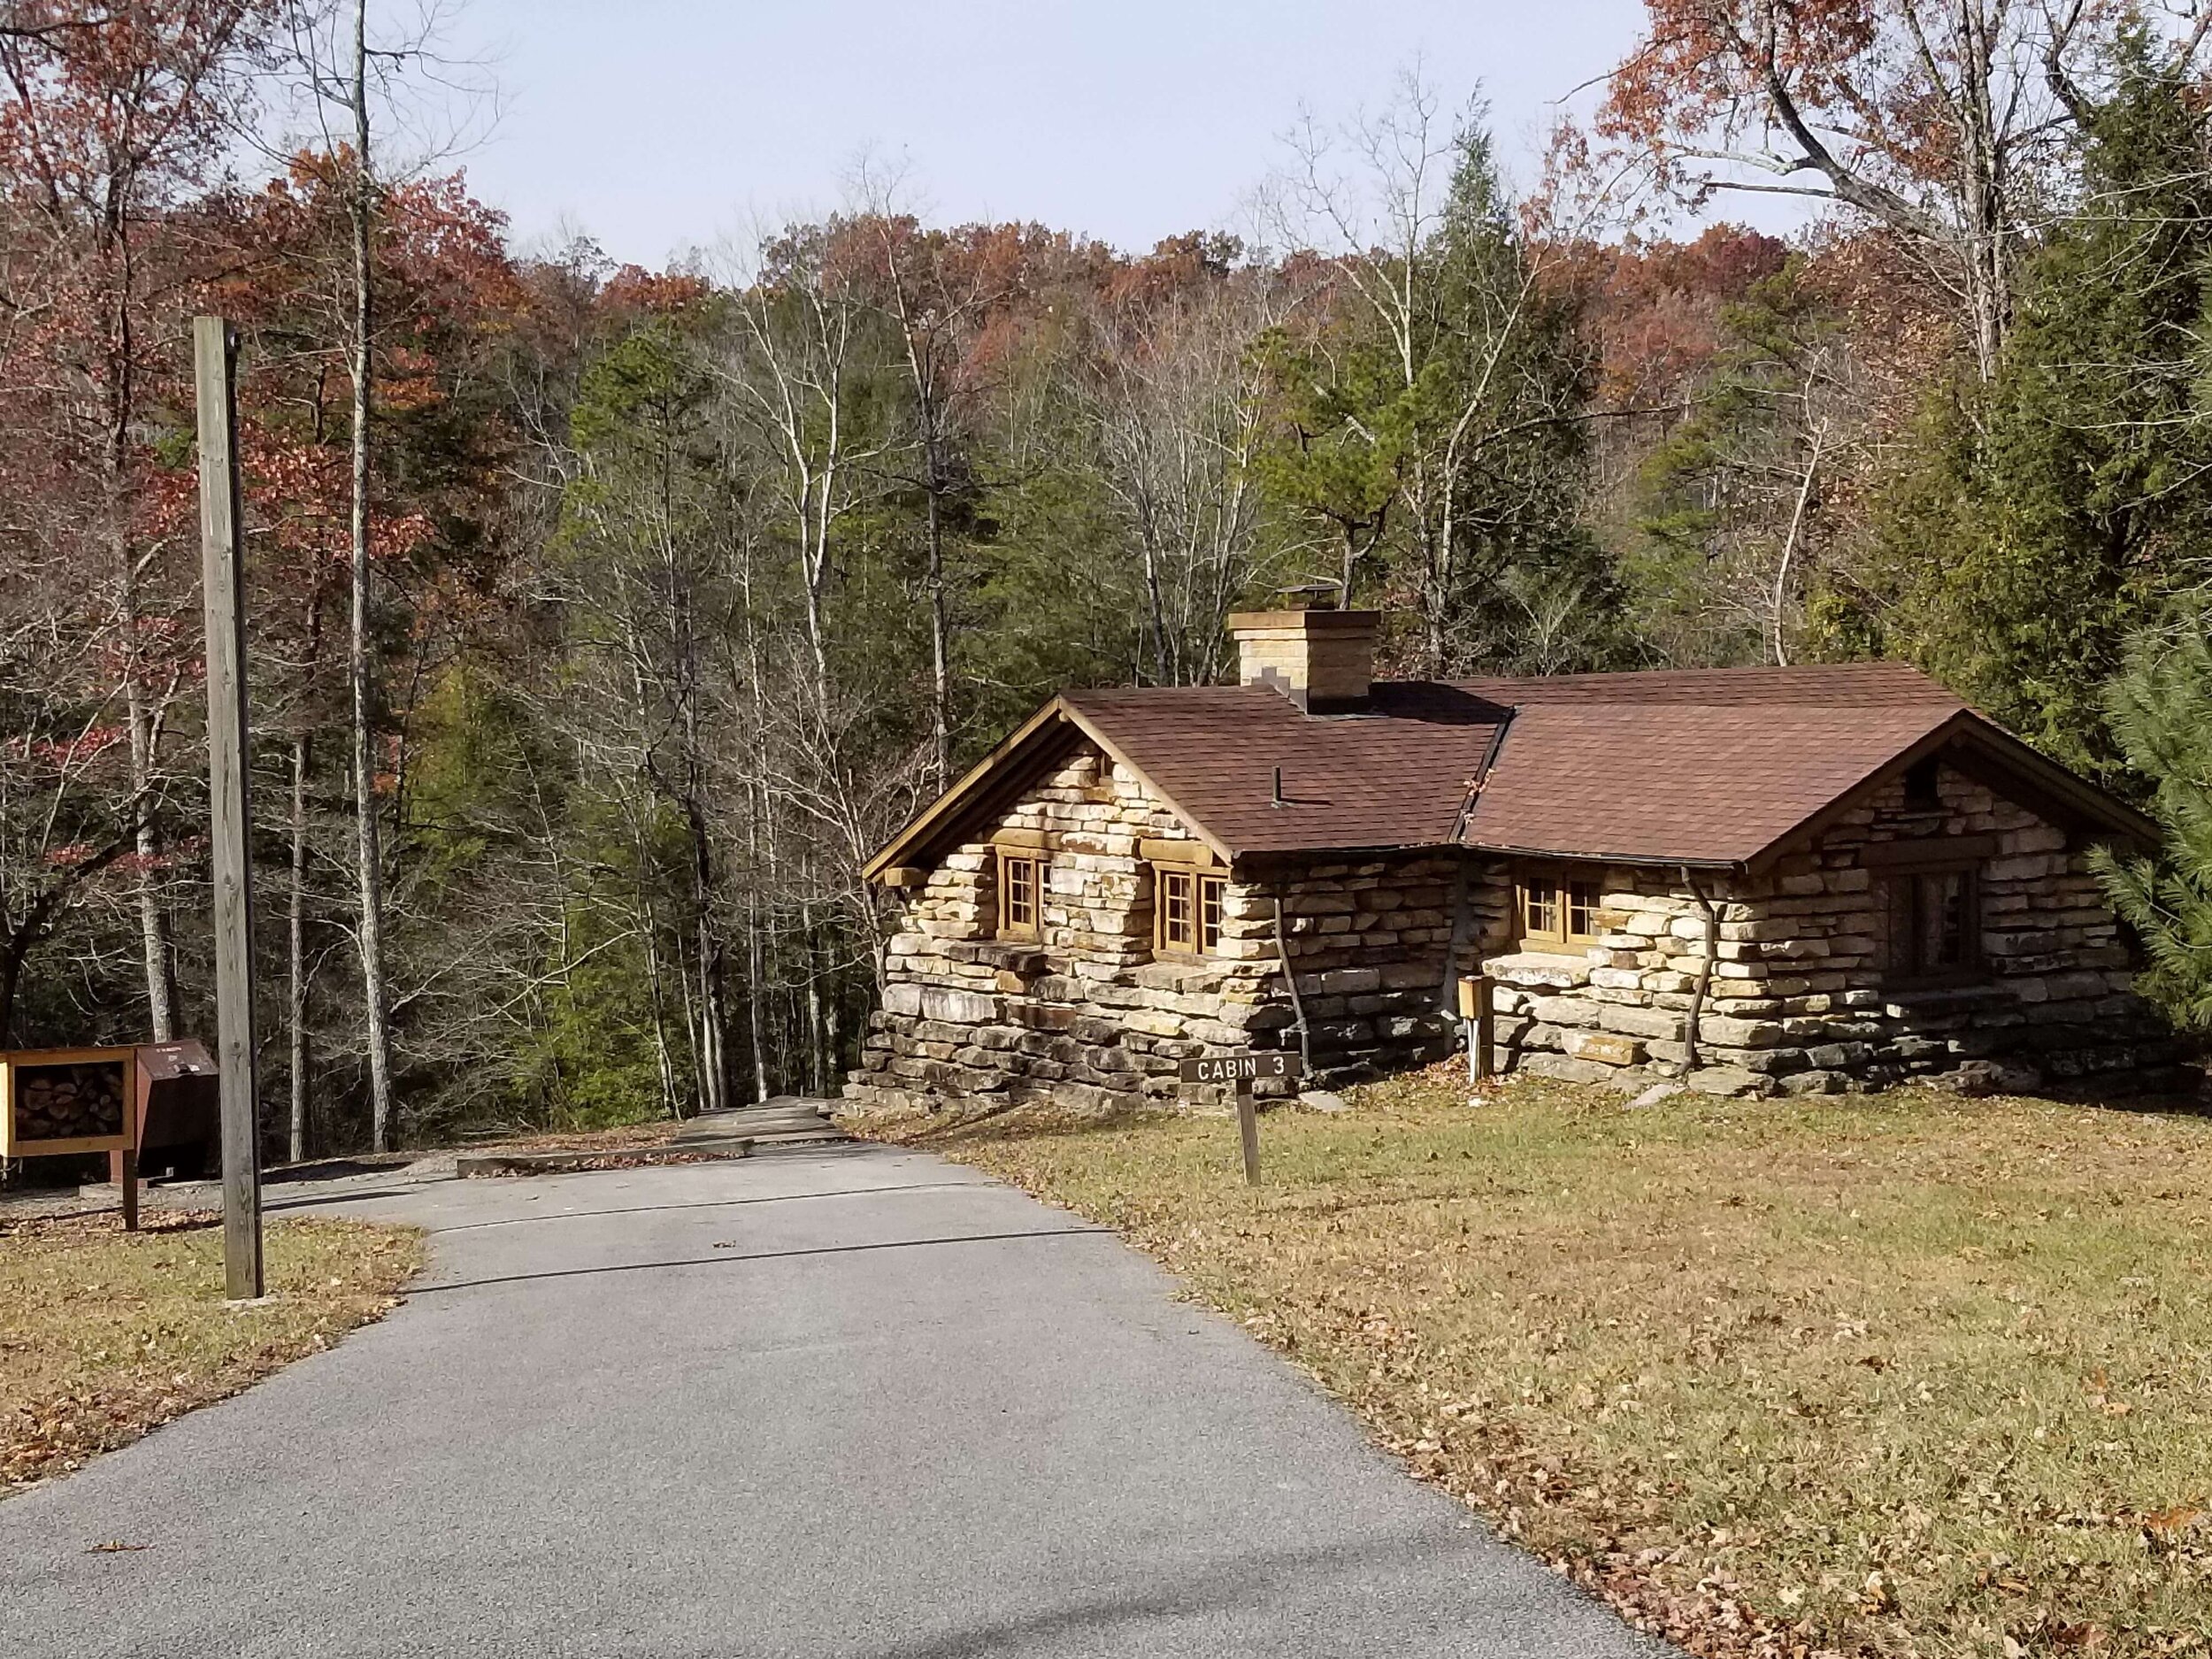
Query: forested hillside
[[605, 620]]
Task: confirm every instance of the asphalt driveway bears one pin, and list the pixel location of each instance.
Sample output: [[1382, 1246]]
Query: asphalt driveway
[[840, 1402]]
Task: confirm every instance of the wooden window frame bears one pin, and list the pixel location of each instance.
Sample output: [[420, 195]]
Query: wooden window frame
[[1563, 893], [1204, 889], [1904, 888], [1009, 859]]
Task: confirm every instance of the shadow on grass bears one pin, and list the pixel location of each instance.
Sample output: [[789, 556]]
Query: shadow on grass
[[1026, 1120]]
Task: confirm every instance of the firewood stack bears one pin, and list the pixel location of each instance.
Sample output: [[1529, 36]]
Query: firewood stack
[[69, 1102]]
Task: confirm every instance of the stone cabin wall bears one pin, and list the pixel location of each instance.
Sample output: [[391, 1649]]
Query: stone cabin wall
[[1086, 1015], [1797, 1000]]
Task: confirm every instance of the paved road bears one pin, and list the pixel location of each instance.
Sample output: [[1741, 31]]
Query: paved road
[[836, 1403]]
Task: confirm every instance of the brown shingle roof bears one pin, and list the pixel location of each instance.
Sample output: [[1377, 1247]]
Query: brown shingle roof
[[1706, 766], [1692, 782], [1396, 777], [1828, 685]]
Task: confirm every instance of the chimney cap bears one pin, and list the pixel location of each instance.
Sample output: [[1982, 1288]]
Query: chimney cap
[[1310, 596]]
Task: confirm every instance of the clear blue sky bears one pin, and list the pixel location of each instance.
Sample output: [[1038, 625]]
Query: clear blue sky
[[654, 125]]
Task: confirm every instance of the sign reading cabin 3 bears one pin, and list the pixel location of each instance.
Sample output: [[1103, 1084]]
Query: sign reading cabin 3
[[1242, 1070]]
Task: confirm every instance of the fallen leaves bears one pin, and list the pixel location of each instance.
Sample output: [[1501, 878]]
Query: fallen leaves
[[105, 1335]]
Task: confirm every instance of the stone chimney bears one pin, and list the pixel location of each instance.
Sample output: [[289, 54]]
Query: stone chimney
[[1322, 660]]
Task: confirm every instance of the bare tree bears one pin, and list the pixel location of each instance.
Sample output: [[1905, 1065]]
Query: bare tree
[[1943, 119], [343, 72], [1175, 404]]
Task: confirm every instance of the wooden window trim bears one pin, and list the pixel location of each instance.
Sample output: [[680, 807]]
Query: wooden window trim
[[1927, 852], [1034, 862], [1973, 968], [1199, 939], [1564, 892]]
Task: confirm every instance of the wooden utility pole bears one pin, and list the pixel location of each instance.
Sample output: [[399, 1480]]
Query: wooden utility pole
[[223, 587]]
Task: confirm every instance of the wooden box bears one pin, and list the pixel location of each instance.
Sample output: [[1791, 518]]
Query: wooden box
[[59, 1101]]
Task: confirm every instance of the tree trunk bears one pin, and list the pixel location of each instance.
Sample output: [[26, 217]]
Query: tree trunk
[[374, 994], [1437, 599], [153, 920], [754, 992], [713, 1022], [815, 1070], [939, 648], [296, 948], [671, 1101]]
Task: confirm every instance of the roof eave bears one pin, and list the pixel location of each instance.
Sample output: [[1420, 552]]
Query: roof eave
[[947, 807], [1641, 861], [923, 830]]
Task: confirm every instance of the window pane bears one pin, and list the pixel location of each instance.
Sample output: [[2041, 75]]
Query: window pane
[[1539, 908], [1903, 954], [1021, 892], [1175, 910], [1582, 909], [1210, 889]]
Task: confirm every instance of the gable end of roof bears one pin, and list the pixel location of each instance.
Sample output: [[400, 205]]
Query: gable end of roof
[[999, 779], [1976, 745]]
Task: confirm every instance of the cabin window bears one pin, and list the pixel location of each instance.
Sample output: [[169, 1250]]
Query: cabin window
[[1556, 909], [1922, 790], [1187, 912], [1021, 885], [1935, 924]]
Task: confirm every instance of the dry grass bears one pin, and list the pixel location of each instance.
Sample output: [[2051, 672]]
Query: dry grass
[[1909, 1374], [105, 1334]]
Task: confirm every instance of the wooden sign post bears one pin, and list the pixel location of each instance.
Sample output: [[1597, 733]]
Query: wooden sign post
[[1242, 1070], [223, 587], [1476, 1014]]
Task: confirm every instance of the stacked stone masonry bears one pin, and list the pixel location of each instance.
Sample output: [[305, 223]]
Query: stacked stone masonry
[[1799, 999], [1088, 1014]]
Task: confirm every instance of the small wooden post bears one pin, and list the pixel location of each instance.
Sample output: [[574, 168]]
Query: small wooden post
[[223, 587], [1481, 1026], [1248, 1132]]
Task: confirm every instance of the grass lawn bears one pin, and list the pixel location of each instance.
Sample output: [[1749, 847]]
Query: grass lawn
[[105, 1335], [1904, 1374]]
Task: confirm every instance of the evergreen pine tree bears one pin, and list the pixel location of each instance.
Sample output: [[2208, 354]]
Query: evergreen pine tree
[[2052, 513], [2160, 710]]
